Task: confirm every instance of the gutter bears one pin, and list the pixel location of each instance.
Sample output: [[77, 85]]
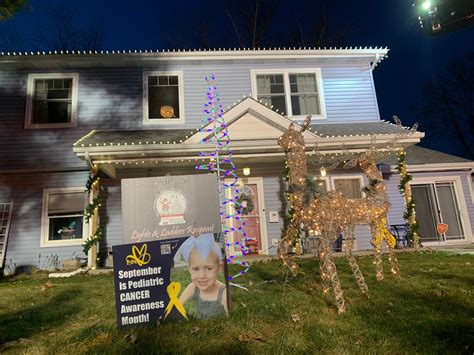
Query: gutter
[[415, 168]]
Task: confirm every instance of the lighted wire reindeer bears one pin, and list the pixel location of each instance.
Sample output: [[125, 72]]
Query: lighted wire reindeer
[[330, 212]]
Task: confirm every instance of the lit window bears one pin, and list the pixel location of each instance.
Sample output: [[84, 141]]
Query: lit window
[[51, 101], [163, 98]]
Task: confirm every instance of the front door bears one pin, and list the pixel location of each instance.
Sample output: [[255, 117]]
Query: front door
[[437, 203], [252, 220]]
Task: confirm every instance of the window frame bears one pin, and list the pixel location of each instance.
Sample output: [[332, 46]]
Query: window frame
[[44, 241], [460, 196], [163, 122], [30, 95], [349, 177], [286, 83]]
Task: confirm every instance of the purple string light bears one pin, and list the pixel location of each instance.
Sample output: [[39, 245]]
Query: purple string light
[[223, 165]]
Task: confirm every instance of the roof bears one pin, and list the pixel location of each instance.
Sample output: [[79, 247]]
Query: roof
[[120, 146], [416, 155], [147, 137], [214, 51], [134, 137], [79, 58], [351, 129]]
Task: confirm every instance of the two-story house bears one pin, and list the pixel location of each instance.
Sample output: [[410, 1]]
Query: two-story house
[[138, 114]]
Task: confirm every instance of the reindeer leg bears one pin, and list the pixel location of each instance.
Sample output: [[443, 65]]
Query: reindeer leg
[[377, 243], [391, 242], [332, 272], [322, 270], [348, 247], [393, 262]]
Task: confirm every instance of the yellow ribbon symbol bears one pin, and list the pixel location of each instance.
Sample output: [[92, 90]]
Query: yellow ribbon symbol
[[173, 291], [139, 257]]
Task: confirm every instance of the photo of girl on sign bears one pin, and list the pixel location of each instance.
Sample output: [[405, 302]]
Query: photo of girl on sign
[[204, 258]]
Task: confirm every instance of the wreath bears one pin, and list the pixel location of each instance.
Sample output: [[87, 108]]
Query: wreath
[[244, 203]]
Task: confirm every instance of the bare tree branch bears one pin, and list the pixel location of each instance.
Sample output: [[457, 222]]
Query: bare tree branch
[[62, 33], [254, 24], [233, 23], [12, 41], [448, 103]]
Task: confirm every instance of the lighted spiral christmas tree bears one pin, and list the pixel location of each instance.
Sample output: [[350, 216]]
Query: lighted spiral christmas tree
[[220, 162]]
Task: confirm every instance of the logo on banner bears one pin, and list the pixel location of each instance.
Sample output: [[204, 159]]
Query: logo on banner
[[138, 256], [442, 228], [170, 206]]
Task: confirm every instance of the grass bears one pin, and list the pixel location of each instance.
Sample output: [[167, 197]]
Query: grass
[[430, 310]]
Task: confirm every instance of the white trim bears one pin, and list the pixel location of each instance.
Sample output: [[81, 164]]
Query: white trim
[[30, 94], [458, 190], [360, 177], [147, 58], [44, 242], [436, 167], [469, 184], [286, 82], [372, 83], [258, 110], [163, 122]]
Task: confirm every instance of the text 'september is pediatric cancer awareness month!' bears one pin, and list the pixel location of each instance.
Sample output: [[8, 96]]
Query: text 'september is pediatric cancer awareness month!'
[[165, 225]]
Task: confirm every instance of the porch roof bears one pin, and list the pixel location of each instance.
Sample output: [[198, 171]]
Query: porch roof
[[420, 158], [153, 136], [253, 128]]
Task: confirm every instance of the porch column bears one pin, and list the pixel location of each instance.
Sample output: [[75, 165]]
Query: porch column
[[409, 203], [92, 254]]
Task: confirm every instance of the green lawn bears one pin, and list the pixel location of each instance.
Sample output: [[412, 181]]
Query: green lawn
[[430, 310]]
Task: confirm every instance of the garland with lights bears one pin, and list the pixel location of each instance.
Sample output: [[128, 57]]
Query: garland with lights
[[91, 210], [409, 215], [92, 240], [220, 162]]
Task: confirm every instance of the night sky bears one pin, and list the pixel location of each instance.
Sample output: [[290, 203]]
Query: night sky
[[413, 57]]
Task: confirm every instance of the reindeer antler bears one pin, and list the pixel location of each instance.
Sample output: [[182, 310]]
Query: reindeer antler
[[306, 123]]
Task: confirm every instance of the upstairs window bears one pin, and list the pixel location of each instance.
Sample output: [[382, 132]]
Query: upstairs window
[[63, 216], [51, 101], [271, 90], [163, 98], [296, 94]]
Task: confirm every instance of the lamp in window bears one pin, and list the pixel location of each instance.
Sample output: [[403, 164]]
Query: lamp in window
[[323, 172], [167, 111], [246, 171]]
